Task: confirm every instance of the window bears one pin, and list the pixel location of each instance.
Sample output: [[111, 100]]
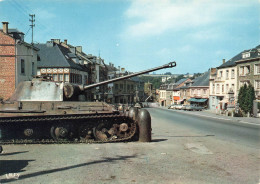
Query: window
[[61, 77], [246, 55], [116, 86], [257, 84], [257, 69], [199, 92], [244, 70], [218, 88], [213, 88], [227, 88], [222, 88], [204, 91], [220, 74], [233, 87], [22, 67], [247, 69], [241, 71], [33, 70], [227, 74], [232, 74], [121, 86], [55, 77], [66, 77], [242, 83]]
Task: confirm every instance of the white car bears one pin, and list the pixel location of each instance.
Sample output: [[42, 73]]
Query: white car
[[179, 106], [172, 106]]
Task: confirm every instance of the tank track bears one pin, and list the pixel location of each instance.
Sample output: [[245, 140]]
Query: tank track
[[10, 121]]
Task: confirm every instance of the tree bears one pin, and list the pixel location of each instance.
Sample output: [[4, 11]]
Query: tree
[[249, 98], [168, 73], [179, 78], [246, 96], [241, 96]]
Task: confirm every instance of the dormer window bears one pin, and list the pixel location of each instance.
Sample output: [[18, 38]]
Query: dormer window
[[246, 55]]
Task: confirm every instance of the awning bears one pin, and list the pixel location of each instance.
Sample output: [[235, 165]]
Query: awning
[[176, 98], [201, 100]]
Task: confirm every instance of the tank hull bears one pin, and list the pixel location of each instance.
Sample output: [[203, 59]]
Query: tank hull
[[65, 122]]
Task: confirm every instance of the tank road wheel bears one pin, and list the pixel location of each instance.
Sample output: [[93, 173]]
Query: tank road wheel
[[28, 132], [101, 132], [113, 131], [61, 132], [85, 132]]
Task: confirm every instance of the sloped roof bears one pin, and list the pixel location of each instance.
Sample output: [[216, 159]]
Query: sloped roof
[[232, 61], [181, 81], [56, 56], [202, 80], [238, 57]]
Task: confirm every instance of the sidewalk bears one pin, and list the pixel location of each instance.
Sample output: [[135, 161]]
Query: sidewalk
[[212, 114]]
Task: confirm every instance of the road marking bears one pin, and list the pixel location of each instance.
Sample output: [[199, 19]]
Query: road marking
[[198, 148]]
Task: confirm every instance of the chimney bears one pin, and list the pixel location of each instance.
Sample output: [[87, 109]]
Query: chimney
[[65, 41], [223, 61], [5, 27], [57, 41]]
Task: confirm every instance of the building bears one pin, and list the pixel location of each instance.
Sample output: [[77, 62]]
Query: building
[[62, 64], [226, 80], [18, 60], [127, 91], [170, 93], [162, 95], [199, 90], [223, 85], [185, 94], [248, 69], [176, 92]]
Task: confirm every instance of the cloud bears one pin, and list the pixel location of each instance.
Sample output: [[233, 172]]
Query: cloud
[[153, 17]]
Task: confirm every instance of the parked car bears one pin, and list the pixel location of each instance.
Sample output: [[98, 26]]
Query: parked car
[[194, 107], [179, 106], [172, 106]]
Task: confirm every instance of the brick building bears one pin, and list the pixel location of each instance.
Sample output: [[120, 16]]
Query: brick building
[[18, 60]]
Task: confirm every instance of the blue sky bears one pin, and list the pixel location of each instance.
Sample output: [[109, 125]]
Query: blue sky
[[140, 34]]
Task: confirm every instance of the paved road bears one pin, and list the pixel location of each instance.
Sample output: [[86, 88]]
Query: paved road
[[220, 127], [185, 149]]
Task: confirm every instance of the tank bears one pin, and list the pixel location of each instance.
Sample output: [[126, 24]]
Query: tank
[[41, 111]]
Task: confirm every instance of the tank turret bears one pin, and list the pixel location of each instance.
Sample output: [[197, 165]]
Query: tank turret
[[42, 89], [39, 113]]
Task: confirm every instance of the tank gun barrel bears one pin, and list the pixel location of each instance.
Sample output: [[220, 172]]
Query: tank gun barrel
[[169, 65]]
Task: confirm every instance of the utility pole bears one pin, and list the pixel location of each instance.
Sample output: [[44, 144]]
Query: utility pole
[[32, 20]]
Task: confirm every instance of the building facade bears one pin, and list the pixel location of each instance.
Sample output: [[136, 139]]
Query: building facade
[[199, 90], [223, 85], [61, 64], [18, 60], [248, 69]]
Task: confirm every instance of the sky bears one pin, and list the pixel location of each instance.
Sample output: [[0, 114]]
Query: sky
[[142, 34]]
